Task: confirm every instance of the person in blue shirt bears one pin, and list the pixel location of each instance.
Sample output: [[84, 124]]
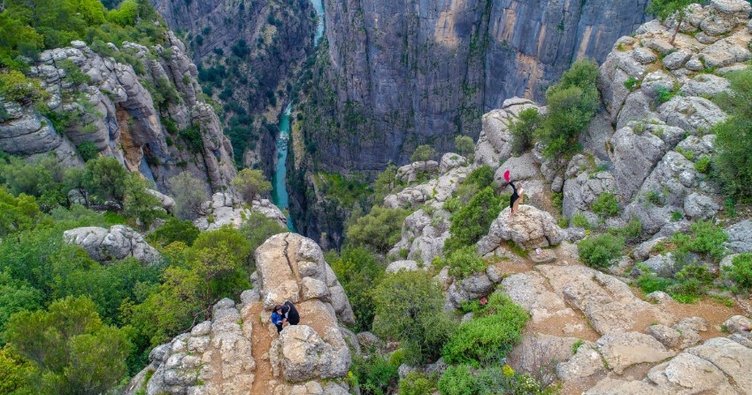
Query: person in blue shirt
[[285, 314]]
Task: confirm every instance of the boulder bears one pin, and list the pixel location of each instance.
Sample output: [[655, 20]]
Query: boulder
[[225, 208], [165, 201], [117, 242], [412, 172], [494, 144], [689, 374], [529, 228], [729, 356], [300, 354], [450, 161], [738, 324], [396, 266], [740, 237], [585, 362], [621, 350]]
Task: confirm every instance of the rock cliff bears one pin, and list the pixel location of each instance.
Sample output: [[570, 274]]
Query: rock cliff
[[249, 53], [146, 113], [397, 75]]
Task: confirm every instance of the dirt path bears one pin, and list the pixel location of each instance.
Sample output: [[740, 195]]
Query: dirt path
[[262, 340]]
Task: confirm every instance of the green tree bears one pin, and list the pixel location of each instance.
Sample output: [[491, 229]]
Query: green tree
[[572, 103], [16, 296], [17, 213], [105, 179], [666, 8], [409, 308], [175, 230], [600, 251], [423, 153], [250, 183], [465, 147], [189, 194], [75, 352], [523, 130], [379, 230], [358, 271], [16, 373], [472, 221], [15, 86], [733, 159], [140, 204]]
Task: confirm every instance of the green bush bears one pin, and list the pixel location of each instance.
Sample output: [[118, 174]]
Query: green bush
[[692, 281], [17, 213], [174, 230], [14, 86], [358, 271], [600, 251], [463, 262], [489, 336], [379, 230], [472, 221], [523, 130], [631, 83], [580, 221], [458, 380], [572, 103], [416, 383], [375, 375], [105, 179], [409, 307], [664, 94], [733, 159], [704, 238], [258, 227], [606, 205], [703, 164], [87, 151], [250, 184], [465, 147], [140, 205], [631, 232], [740, 272], [189, 194], [423, 153]]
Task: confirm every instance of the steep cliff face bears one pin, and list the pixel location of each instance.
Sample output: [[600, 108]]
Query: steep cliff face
[[403, 74], [145, 113], [248, 53]]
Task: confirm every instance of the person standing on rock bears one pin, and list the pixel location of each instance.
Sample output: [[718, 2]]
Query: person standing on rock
[[285, 314], [517, 195]]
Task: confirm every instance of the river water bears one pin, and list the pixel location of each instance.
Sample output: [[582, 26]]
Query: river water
[[280, 197]]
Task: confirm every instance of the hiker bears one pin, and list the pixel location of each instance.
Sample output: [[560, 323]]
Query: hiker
[[517, 195], [285, 314]]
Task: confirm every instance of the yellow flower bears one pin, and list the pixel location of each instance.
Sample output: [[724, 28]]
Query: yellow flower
[[507, 371]]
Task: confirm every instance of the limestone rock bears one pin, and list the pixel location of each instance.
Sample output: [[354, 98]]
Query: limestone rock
[[405, 265], [301, 354], [730, 357], [410, 173], [585, 362], [740, 236], [227, 209], [117, 242], [621, 350], [494, 143], [738, 324], [450, 161], [530, 228]]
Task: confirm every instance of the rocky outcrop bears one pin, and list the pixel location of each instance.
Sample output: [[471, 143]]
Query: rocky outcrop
[[529, 228], [238, 351], [117, 242], [494, 144], [249, 65], [112, 106], [227, 209]]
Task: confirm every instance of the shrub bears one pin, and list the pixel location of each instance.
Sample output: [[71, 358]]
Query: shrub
[[358, 271], [189, 194], [192, 137], [17, 213], [409, 308], [73, 73], [523, 130], [250, 183], [664, 94], [606, 205], [378, 230], [692, 281], [139, 204], [733, 159], [704, 238], [87, 150], [630, 232], [472, 221], [463, 262], [14, 86], [600, 251], [258, 227], [374, 374], [740, 271], [458, 380], [416, 383], [572, 102], [105, 179], [175, 230], [465, 147], [489, 336], [580, 221], [423, 153], [631, 83], [703, 164]]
